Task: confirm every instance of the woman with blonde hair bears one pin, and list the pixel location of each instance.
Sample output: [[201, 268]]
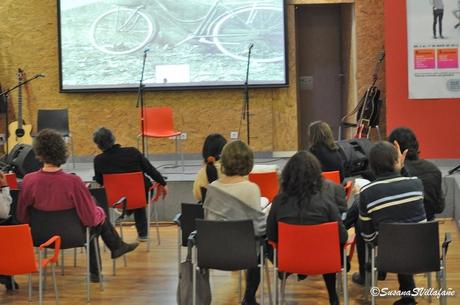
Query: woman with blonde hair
[[323, 147]]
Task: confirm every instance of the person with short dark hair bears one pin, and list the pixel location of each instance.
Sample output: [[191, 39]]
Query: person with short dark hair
[[115, 159], [210, 172], [323, 146], [52, 189], [426, 171], [303, 199], [390, 198], [233, 197]]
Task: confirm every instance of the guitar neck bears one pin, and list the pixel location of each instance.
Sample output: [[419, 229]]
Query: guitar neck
[[20, 106]]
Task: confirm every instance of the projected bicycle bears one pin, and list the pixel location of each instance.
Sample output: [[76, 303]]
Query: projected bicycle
[[126, 29]]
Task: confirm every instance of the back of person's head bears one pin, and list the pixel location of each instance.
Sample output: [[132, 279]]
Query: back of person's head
[[406, 140], [320, 132], [237, 159], [383, 158], [103, 138], [301, 176], [50, 147], [212, 149]]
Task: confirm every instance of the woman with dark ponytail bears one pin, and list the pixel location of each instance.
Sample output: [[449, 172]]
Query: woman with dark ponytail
[[212, 148]]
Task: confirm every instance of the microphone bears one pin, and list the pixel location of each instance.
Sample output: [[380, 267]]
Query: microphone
[[39, 75], [251, 45], [146, 50]]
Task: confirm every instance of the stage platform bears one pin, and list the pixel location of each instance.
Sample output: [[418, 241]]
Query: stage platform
[[180, 181]]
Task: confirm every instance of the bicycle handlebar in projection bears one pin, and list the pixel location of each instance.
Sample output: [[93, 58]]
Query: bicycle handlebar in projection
[[192, 43]]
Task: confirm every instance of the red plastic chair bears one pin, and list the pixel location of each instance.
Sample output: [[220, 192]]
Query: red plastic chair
[[12, 180], [310, 250], [18, 256], [348, 188], [334, 176], [130, 189], [159, 123], [267, 182]]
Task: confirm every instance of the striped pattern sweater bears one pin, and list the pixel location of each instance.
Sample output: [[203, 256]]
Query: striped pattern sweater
[[390, 199]]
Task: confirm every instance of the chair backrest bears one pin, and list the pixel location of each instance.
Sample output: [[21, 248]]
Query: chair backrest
[[226, 245], [268, 183], [11, 180], [158, 119], [334, 176], [348, 188], [128, 185], [65, 223], [408, 247], [17, 250], [189, 213], [57, 119], [309, 249]]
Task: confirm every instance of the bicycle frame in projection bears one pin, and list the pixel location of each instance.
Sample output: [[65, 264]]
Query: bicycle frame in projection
[[192, 43]]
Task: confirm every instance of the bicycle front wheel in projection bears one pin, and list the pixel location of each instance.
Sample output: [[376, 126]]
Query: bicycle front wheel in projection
[[261, 25], [122, 31]]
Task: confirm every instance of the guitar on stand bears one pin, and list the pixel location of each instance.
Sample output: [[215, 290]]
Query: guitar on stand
[[18, 130], [368, 108]]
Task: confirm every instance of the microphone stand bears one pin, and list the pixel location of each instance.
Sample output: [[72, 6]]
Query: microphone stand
[[5, 94], [245, 110], [140, 101]]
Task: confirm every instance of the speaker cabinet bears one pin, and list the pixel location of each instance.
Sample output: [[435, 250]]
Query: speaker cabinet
[[22, 160]]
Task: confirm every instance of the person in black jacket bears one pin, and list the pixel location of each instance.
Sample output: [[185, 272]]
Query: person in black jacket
[[304, 200], [425, 170], [323, 146], [117, 159]]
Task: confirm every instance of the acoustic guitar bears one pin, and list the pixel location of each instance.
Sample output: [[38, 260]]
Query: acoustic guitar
[[18, 130]]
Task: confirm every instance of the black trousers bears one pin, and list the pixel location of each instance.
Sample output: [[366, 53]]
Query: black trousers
[[406, 283], [110, 237], [437, 16], [140, 217]]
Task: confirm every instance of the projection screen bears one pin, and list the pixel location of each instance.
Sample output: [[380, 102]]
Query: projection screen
[[186, 44]]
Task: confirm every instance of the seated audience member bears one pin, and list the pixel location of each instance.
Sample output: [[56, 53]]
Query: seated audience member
[[304, 200], [5, 204], [116, 159], [323, 146], [391, 198], [52, 189], [426, 171], [233, 197], [212, 148]]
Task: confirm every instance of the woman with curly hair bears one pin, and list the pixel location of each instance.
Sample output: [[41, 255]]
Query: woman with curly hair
[[304, 198], [52, 189], [212, 149]]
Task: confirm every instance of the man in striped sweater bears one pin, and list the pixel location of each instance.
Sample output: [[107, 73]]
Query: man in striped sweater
[[391, 198]]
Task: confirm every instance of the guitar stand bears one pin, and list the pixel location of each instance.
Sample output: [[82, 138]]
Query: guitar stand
[[354, 125]]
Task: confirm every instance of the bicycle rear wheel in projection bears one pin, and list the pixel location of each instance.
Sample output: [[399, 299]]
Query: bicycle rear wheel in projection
[[122, 31], [261, 25]]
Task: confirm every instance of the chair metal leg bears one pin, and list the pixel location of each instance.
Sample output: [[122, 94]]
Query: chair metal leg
[[367, 284], [88, 288], [194, 266], [29, 284], [157, 223], [62, 261], [345, 279], [269, 286], [373, 277], [45, 271], [179, 249], [72, 151], [149, 212], [125, 261], [98, 262], [179, 150], [283, 288], [429, 284], [75, 257], [40, 277], [56, 291], [262, 260], [114, 267]]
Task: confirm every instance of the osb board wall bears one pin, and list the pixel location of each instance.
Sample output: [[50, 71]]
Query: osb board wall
[[29, 41]]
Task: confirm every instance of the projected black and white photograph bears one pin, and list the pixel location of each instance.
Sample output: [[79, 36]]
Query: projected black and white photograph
[[191, 43]]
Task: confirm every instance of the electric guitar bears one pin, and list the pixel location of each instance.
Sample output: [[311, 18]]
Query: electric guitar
[[18, 130]]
